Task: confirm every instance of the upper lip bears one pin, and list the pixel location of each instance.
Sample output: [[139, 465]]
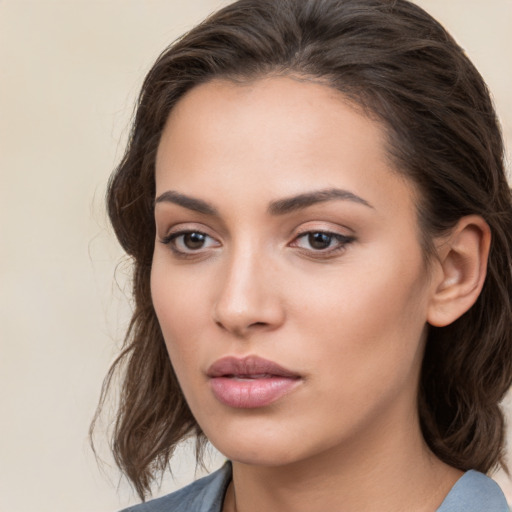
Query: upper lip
[[250, 366]]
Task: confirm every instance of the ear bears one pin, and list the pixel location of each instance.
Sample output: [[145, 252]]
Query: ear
[[461, 270]]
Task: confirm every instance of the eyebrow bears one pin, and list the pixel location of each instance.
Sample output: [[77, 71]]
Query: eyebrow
[[301, 201], [278, 207], [191, 203]]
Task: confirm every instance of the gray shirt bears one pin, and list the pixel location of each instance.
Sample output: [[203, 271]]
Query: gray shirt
[[473, 492]]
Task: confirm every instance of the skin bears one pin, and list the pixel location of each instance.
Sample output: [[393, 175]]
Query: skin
[[350, 320]]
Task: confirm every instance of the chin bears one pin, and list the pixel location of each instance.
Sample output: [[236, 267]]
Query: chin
[[248, 446], [254, 456], [270, 447]]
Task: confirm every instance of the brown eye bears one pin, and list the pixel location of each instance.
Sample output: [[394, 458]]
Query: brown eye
[[322, 243], [319, 240], [194, 241], [190, 242]]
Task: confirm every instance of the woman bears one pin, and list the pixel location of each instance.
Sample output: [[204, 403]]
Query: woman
[[314, 199]]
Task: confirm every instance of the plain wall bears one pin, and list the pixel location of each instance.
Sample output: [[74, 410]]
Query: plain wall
[[69, 74]]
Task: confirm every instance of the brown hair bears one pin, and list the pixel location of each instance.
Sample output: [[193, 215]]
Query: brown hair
[[397, 63]]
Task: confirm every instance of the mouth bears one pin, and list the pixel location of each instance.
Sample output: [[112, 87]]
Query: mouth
[[250, 382]]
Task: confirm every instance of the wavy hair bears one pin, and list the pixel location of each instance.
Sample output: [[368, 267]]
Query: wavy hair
[[402, 67]]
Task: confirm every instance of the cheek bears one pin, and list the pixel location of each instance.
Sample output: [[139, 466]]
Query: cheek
[[178, 306], [366, 326]]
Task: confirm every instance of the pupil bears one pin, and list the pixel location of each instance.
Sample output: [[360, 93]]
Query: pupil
[[193, 240], [319, 240]]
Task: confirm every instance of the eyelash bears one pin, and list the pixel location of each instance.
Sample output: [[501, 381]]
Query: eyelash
[[342, 241], [171, 241]]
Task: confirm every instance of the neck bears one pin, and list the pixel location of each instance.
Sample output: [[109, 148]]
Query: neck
[[388, 470]]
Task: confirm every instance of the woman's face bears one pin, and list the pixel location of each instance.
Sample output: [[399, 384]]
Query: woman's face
[[287, 277]]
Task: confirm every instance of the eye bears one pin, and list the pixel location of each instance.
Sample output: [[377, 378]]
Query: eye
[[321, 241], [189, 242]]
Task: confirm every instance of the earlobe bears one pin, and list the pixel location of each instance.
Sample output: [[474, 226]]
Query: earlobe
[[462, 269]]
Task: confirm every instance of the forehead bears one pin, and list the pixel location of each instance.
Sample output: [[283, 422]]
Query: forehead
[[304, 107], [276, 135]]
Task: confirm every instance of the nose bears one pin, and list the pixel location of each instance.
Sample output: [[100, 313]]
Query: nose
[[249, 297]]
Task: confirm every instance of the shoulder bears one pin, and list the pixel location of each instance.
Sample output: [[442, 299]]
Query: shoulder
[[203, 495], [474, 492]]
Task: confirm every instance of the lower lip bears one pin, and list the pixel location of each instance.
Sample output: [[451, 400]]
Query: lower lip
[[251, 393]]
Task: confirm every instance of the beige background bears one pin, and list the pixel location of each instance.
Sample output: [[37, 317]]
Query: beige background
[[69, 73]]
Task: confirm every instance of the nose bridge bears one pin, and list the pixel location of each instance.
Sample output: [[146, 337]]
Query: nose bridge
[[247, 294]]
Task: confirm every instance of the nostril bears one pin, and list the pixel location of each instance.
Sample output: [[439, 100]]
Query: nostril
[[258, 324], [240, 330]]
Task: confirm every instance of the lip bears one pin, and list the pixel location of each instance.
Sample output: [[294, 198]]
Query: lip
[[250, 382]]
